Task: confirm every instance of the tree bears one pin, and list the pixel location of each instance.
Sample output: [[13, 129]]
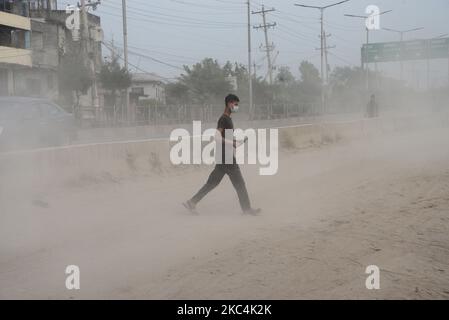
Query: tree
[[177, 93], [74, 75], [310, 84], [115, 78], [206, 81], [347, 77], [286, 87], [285, 77], [347, 88], [309, 73]]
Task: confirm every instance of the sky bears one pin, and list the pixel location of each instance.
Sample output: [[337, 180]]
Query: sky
[[164, 35]]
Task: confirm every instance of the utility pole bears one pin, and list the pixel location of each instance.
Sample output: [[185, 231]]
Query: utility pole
[[125, 34], [326, 49], [402, 32], [84, 27], [326, 62], [326, 68], [268, 47], [250, 76], [85, 46], [125, 55], [322, 44], [322, 41]]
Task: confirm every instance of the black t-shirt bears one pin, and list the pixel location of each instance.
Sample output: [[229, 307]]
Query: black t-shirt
[[225, 123]]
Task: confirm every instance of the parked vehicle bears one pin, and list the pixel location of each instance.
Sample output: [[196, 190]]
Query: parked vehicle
[[33, 123]]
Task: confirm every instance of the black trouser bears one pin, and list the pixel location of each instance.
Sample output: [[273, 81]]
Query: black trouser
[[233, 171]]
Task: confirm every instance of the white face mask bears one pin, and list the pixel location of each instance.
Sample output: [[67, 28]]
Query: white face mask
[[235, 109]]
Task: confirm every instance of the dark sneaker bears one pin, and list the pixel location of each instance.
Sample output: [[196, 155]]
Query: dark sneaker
[[252, 212], [189, 205]]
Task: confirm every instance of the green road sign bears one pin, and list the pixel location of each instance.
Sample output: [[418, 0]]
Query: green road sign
[[439, 48], [406, 50]]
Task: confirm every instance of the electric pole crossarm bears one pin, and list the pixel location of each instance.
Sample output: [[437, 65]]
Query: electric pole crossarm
[[355, 16], [305, 6], [263, 11], [268, 25], [335, 4], [321, 8]]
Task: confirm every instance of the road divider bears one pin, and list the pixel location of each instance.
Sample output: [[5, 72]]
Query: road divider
[[91, 161]]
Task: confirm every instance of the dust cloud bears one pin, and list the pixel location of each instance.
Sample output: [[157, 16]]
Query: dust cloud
[[338, 204]]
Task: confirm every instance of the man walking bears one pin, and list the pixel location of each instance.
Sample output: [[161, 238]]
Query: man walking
[[231, 169]]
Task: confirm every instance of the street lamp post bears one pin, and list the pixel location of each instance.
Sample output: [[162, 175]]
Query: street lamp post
[[367, 42], [322, 40]]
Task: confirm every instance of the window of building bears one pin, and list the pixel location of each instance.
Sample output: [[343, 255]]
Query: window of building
[[137, 90]]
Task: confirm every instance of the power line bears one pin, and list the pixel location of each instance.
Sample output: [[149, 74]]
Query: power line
[[132, 65], [294, 34], [155, 60], [175, 18], [341, 59], [141, 22], [152, 58], [215, 10], [194, 4]]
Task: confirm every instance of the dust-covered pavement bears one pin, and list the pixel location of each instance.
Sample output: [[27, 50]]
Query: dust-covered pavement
[[328, 214]]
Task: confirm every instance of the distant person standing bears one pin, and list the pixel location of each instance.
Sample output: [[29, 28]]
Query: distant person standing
[[221, 169], [372, 110]]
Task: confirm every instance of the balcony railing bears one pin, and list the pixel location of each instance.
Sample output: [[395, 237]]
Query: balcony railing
[[20, 7]]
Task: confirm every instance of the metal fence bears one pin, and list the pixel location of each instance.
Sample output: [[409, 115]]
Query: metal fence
[[178, 114]]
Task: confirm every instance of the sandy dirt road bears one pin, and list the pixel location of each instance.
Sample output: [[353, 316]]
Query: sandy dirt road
[[328, 214]]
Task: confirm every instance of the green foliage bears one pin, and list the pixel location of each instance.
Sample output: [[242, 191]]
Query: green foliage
[[285, 77], [310, 84], [74, 75], [347, 88], [206, 81], [309, 73], [177, 93], [114, 77]]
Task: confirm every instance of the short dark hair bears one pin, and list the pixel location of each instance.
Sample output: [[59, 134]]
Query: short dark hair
[[231, 98]]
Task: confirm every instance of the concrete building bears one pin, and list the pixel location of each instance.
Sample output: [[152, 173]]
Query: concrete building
[[15, 44], [53, 43], [147, 96], [34, 41], [147, 86]]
